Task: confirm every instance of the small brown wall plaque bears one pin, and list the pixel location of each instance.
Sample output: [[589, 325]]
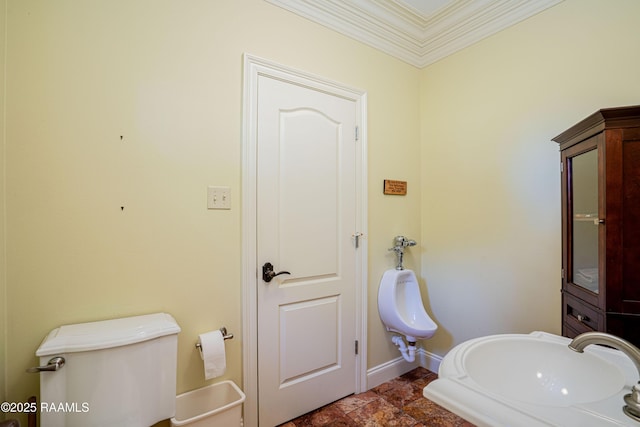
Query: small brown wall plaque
[[397, 188]]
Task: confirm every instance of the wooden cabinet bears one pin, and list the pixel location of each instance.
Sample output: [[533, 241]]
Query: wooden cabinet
[[601, 224]]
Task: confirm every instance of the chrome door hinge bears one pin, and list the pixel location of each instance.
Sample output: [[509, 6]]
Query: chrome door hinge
[[561, 167], [356, 238], [356, 346], [562, 273], [357, 132]]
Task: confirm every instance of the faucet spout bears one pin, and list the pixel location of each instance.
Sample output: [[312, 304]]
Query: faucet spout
[[581, 341], [632, 409]]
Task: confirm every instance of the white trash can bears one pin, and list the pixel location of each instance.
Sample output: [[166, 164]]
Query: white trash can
[[217, 405]]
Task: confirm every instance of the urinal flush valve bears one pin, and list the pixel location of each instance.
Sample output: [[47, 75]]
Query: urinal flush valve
[[399, 244]]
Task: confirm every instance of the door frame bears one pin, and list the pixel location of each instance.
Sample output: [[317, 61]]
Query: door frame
[[253, 68]]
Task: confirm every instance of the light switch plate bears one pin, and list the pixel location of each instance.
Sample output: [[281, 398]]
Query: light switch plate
[[218, 198]]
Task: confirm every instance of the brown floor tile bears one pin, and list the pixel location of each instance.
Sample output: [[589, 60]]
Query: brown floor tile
[[327, 416], [398, 392], [432, 414], [417, 373], [380, 413], [356, 401], [398, 402]]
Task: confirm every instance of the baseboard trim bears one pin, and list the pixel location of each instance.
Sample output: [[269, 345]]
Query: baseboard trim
[[399, 366], [430, 361]]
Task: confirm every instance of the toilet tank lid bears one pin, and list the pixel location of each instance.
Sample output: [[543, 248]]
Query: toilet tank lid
[[107, 333]]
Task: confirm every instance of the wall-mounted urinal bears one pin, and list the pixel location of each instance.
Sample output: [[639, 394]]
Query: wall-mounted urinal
[[400, 304]]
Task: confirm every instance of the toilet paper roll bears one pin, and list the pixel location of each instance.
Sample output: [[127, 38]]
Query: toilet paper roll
[[213, 354]]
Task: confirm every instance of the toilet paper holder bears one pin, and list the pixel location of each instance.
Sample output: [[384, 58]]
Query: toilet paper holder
[[225, 336]]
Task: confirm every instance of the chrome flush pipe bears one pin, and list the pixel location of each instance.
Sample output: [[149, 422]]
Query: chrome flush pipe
[[399, 244]]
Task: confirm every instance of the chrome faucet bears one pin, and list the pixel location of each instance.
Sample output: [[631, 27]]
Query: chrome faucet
[[399, 244], [632, 400]]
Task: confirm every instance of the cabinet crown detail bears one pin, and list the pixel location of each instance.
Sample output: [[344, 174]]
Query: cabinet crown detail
[[606, 118]]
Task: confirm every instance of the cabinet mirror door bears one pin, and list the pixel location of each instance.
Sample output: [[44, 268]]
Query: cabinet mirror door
[[584, 220]]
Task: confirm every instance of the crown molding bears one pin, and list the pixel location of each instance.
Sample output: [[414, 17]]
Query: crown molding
[[418, 38]]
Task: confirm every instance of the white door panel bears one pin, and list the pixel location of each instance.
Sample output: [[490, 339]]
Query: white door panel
[[306, 206], [309, 185], [296, 362]]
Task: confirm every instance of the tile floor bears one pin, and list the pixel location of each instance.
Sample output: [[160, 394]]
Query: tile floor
[[398, 402]]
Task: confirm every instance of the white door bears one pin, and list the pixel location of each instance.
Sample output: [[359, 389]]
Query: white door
[[306, 220]]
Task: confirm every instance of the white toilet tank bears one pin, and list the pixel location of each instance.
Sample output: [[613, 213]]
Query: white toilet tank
[[119, 372]]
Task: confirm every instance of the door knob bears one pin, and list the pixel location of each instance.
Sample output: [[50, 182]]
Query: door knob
[[268, 273]]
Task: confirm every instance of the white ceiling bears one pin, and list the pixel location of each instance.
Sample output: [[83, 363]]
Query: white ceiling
[[419, 32]]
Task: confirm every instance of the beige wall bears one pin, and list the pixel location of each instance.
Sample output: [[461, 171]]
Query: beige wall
[[490, 172], [471, 135], [167, 77]]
